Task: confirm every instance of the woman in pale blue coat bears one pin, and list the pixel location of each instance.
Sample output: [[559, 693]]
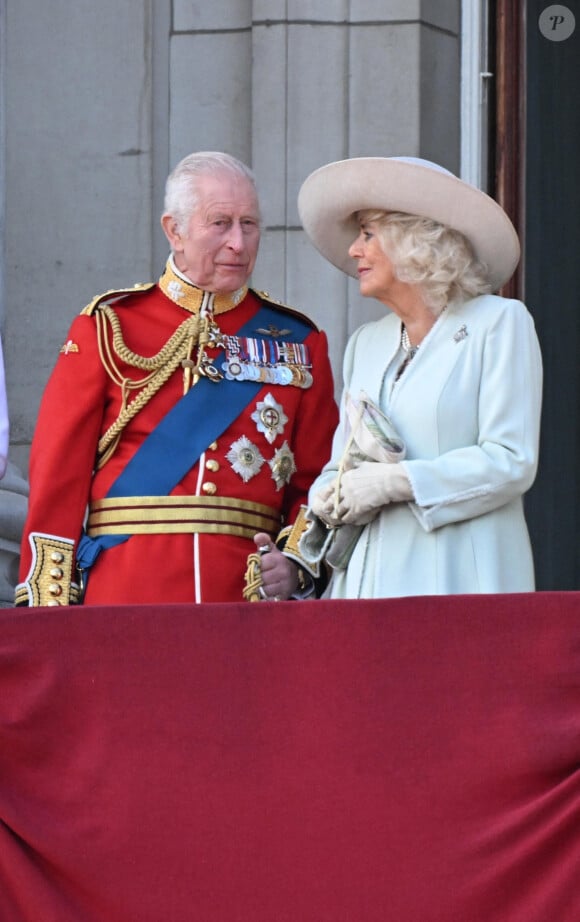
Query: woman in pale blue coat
[[456, 369]]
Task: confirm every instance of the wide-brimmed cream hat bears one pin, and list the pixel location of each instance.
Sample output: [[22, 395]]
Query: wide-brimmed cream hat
[[332, 195]]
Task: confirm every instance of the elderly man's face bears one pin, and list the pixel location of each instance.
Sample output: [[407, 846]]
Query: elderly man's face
[[218, 249]]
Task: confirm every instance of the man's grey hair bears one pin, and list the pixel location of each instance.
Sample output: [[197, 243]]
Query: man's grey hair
[[181, 195]]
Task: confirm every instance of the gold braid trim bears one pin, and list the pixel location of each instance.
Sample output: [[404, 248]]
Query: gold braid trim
[[253, 579], [159, 369], [291, 548], [50, 578]]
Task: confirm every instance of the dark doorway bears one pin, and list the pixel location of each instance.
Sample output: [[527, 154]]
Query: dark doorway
[[537, 173]]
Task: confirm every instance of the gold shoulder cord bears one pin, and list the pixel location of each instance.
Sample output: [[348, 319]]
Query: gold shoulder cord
[[158, 368]]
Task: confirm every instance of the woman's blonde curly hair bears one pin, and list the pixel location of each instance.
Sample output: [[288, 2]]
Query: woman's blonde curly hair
[[437, 258]]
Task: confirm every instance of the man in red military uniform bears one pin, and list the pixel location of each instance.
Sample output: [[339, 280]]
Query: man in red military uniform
[[183, 420]]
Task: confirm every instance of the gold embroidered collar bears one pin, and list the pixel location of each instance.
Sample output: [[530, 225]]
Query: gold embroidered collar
[[180, 290]]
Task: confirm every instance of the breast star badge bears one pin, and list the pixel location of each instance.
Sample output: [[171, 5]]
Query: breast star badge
[[245, 458], [269, 417], [282, 466]]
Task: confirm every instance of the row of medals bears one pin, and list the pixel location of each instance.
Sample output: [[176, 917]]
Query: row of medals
[[296, 375], [237, 369]]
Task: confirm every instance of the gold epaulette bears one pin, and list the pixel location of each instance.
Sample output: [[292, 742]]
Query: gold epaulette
[[266, 296], [114, 294]]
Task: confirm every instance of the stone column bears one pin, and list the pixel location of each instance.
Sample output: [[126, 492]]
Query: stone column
[[76, 153], [333, 79]]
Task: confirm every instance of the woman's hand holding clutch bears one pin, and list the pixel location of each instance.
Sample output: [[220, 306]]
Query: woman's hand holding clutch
[[367, 488]]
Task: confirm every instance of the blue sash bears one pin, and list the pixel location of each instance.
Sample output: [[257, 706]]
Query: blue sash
[[176, 444]]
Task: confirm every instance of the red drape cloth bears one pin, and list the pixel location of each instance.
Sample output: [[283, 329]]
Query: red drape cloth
[[407, 760]]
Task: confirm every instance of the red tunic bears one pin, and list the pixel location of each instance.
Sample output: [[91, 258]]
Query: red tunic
[[81, 401]]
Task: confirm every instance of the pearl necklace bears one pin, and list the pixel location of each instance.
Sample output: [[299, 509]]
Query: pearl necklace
[[411, 351]]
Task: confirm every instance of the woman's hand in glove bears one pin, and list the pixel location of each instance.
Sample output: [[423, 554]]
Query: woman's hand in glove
[[369, 487], [322, 505]]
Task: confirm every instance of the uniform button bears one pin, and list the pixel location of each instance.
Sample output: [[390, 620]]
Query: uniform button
[[56, 573], [213, 446], [209, 487], [57, 557], [55, 589], [213, 465]]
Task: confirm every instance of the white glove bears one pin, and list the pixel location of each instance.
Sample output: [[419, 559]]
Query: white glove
[[369, 487], [322, 505]]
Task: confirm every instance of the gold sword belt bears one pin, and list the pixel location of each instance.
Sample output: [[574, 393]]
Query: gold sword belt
[[210, 515]]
